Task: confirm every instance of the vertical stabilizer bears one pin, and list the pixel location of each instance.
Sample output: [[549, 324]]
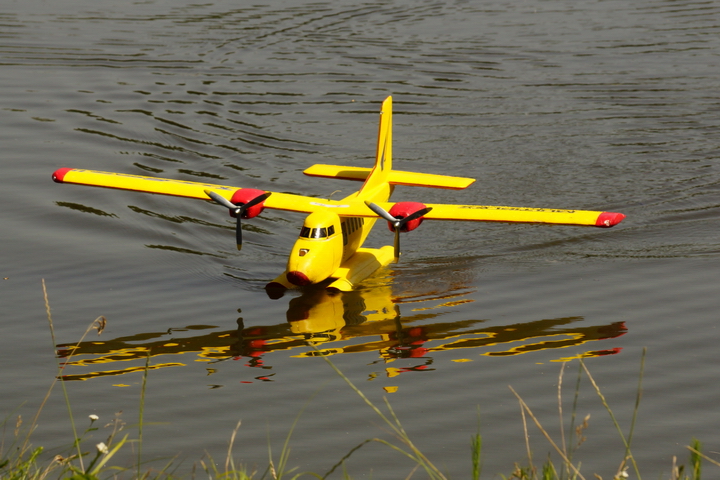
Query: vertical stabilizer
[[383, 158]]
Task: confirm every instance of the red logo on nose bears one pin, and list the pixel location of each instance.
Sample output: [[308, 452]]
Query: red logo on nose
[[298, 278]]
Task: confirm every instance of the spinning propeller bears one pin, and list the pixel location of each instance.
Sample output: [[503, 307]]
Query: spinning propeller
[[397, 223], [237, 211]]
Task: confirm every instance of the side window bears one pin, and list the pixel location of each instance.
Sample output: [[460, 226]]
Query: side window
[[331, 230], [344, 229]]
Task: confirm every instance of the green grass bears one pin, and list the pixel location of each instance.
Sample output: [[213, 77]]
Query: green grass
[[85, 460]]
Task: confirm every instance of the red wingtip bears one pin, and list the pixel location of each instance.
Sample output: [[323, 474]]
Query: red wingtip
[[59, 174], [609, 219]]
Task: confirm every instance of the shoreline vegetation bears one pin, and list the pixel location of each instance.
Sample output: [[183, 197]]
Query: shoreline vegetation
[[20, 460]]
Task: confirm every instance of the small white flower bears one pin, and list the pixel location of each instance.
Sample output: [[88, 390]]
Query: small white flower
[[101, 447], [93, 417]]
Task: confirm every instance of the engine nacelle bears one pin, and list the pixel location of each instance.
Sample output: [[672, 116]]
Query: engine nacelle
[[245, 195], [403, 209]]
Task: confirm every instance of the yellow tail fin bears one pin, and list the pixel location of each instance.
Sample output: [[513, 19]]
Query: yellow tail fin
[[382, 172], [383, 158]]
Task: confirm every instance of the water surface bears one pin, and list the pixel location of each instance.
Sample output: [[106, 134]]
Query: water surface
[[605, 106]]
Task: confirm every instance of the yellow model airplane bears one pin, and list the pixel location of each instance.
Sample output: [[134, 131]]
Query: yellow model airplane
[[330, 244]]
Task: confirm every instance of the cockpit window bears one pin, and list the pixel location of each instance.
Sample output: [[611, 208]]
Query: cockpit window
[[322, 232]]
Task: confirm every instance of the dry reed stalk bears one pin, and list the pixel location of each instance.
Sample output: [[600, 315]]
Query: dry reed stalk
[[547, 436]]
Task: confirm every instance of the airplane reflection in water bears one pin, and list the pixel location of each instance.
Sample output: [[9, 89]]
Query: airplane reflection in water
[[363, 320]]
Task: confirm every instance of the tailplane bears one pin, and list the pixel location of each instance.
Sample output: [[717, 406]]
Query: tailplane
[[382, 172]]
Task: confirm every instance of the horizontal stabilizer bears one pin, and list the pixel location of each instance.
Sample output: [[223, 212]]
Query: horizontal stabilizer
[[396, 177]]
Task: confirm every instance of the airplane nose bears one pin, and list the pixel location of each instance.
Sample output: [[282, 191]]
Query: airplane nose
[[298, 278]]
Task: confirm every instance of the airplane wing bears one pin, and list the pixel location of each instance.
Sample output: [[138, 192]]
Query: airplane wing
[[484, 213], [348, 207], [181, 188]]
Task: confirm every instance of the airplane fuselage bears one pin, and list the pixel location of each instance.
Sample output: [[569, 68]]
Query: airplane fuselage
[[327, 239]]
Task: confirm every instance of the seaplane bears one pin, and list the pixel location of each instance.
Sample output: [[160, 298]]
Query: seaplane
[[329, 250]]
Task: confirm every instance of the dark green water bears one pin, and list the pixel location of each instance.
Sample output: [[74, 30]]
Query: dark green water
[[604, 106]]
